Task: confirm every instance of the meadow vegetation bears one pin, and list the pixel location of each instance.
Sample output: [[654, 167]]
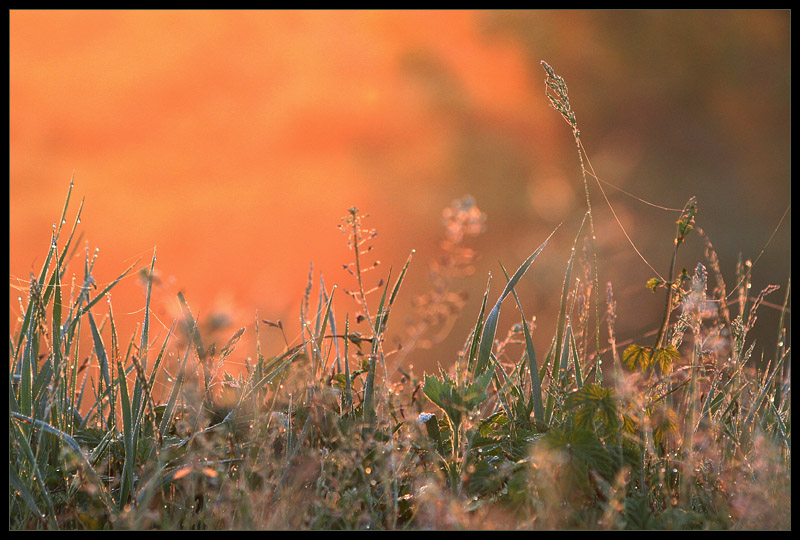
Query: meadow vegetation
[[688, 431]]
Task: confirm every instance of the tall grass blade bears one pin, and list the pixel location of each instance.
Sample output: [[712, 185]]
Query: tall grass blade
[[369, 385], [562, 312], [347, 401], [92, 474], [763, 392], [490, 327], [143, 346], [194, 333], [126, 486], [100, 350], [477, 330], [575, 358], [319, 360], [169, 411], [28, 454], [530, 353], [43, 274], [26, 375], [22, 491], [99, 297]]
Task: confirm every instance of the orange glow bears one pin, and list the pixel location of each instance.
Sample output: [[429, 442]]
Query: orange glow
[[233, 142]]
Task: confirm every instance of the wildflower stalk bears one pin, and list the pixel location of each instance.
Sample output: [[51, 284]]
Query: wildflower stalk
[[557, 92], [357, 240], [685, 225]]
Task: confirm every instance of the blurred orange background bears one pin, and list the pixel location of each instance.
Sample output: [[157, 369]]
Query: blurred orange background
[[233, 142]]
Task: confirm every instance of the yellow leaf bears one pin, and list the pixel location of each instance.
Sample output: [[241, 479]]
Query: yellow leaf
[[636, 356], [664, 358]]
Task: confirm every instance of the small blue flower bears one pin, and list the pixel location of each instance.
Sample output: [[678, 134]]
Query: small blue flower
[[424, 417]]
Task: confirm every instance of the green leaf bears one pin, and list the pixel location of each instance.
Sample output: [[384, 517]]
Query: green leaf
[[594, 403], [126, 487], [475, 393], [583, 451], [489, 426], [443, 393], [432, 427], [477, 331]]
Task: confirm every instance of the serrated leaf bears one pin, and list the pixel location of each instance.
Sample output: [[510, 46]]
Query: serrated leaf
[[475, 393], [594, 403], [339, 380], [443, 393], [583, 450], [489, 426], [637, 357], [664, 358], [629, 424], [665, 425]]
